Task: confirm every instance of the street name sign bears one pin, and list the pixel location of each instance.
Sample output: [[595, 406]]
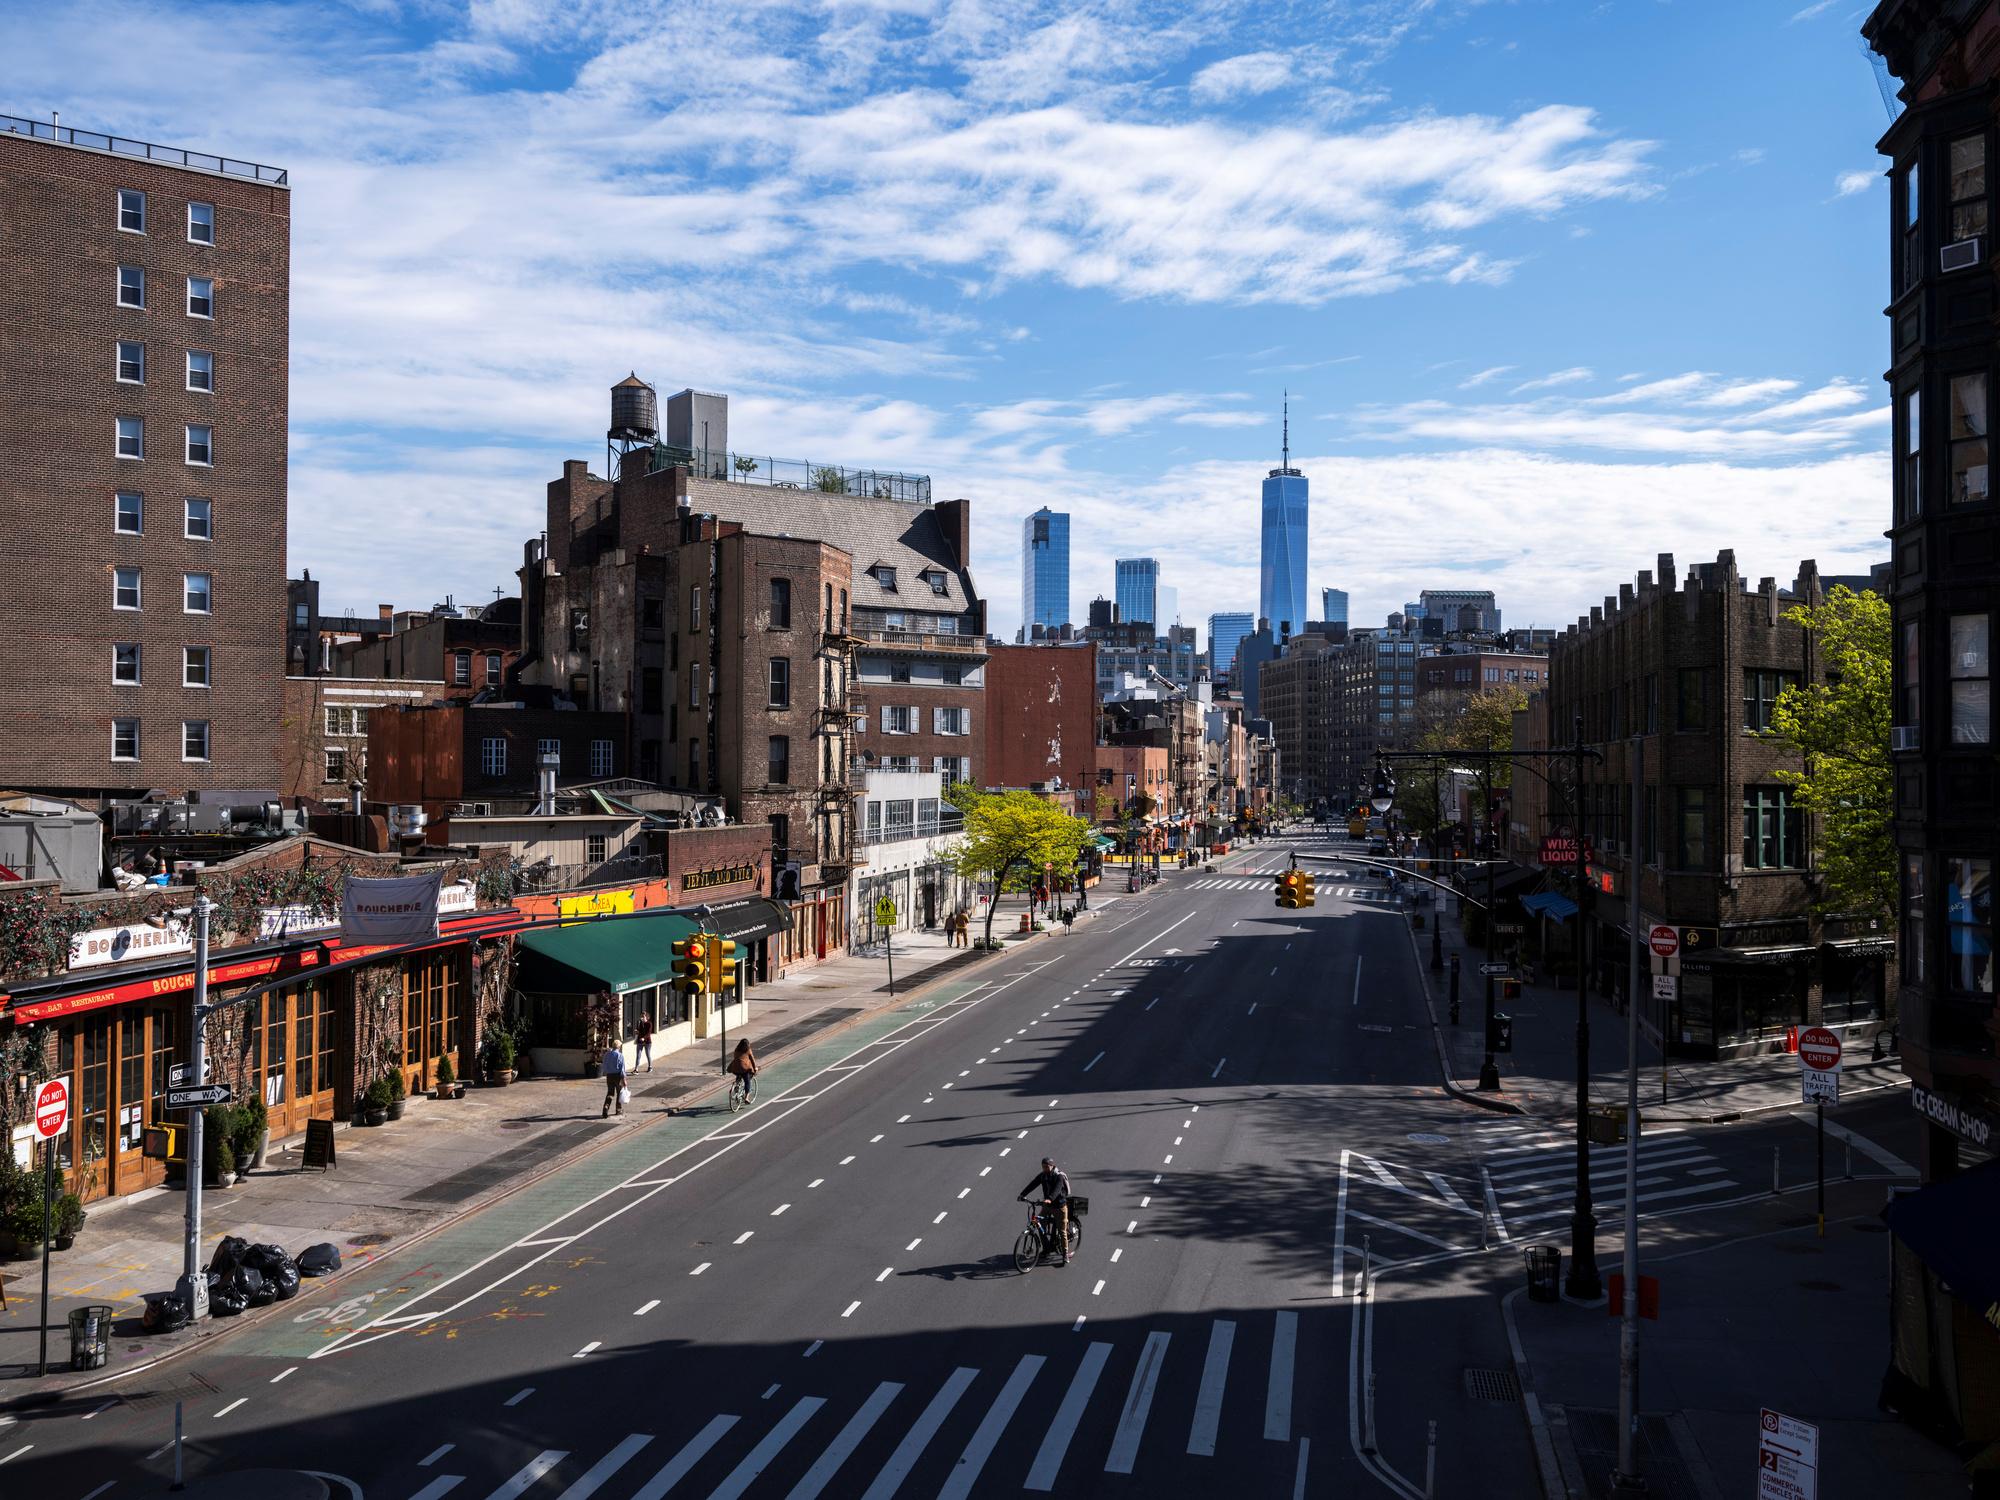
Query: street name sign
[[1787, 1458], [1496, 970], [51, 1108], [198, 1096], [1665, 941], [1507, 929]]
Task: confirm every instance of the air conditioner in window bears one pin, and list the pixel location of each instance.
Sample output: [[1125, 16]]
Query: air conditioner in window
[[472, 809], [1904, 737], [1962, 256]]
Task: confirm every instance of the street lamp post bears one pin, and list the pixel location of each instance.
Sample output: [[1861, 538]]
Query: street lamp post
[[1489, 1071], [193, 1288], [1437, 822], [1584, 1282]]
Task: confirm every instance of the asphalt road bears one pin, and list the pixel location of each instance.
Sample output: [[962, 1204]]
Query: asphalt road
[[817, 1296]]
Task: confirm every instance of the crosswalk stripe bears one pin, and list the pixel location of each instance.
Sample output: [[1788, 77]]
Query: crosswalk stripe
[[530, 1473], [1617, 1200], [1138, 1401], [1543, 1177], [912, 1447], [842, 1447], [965, 1473], [759, 1458], [1278, 1403], [444, 1484], [1565, 1192], [692, 1452], [1055, 1443], [1208, 1403], [605, 1467]]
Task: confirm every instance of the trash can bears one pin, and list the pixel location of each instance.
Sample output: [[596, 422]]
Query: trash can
[[1544, 1272], [1606, 1125], [90, 1337]]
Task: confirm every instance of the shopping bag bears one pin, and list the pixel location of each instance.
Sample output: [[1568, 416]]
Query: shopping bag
[[624, 1095]]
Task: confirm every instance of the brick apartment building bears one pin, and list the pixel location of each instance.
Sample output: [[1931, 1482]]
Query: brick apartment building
[[311, 638], [1041, 715], [1693, 667], [1446, 680], [438, 757], [145, 338], [324, 730]]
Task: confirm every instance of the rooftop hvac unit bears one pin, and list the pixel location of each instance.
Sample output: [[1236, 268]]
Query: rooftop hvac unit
[[472, 809], [407, 820], [1962, 256]]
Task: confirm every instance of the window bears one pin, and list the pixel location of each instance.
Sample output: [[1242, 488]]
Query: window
[[194, 739], [493, 669], [886, 577], [131, 286], [124, 588], [940, 585], [549, 751], [652, 690], [1969, 923], [124, 739], [129, 518], [125, 664], [493, 756], [201, 371], [781, 604], [336, 764], [346, 721], [899, 671], [652, 614], [1971, 680], [600, 758], [1773, 830], [1913, 919], [131, 437], [201, 297], [200, 445], [898, 719], [131, 211], [899, 819], [874, 820], [197, 593], [1760, 695], [1691, 828], [194, 666], [131, 362], [1652, 708], [199, 522], [843, 610], [781, 682], [781, 760], [201, 223], [1969, 485], [952, 675], [1913, 470], [694, 609], [1910, 698], [952, 720], [299, 616], [596, 847], [694, 685], [694, 763], [1968, 187], [461, 668]]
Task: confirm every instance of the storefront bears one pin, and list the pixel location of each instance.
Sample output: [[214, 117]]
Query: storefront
[[751, 925]]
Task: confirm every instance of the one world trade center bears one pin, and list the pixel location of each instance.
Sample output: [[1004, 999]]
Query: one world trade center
[[1281, 595]]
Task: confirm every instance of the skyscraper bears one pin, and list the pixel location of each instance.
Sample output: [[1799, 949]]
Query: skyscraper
[[1224, 631], [1139, 590], [1281, 593], [1044, 570], [1333, 606]]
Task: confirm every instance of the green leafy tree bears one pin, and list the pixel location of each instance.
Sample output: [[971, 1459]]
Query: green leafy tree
[[1481, 721], [1011, 833], [832, 481], [1841, 728]]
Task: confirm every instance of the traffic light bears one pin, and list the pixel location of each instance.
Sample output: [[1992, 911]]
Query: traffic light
[[1289, 889], [1510, 989], [1304, 888], [690, 964], [721, 965]]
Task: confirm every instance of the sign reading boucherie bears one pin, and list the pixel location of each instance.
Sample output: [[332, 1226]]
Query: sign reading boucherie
[[399, 909], [117, 945]]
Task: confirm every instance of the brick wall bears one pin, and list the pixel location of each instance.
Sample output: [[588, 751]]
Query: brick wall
[[1040, 715]]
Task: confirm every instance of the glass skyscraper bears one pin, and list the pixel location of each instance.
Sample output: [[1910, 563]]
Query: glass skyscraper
[[1224, 631], [1281, 587], [1333, 606], [1139, 591], [1045, 570]]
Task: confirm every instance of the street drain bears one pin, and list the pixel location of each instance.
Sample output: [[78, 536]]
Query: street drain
[[363, 1241], [1491, 1385]]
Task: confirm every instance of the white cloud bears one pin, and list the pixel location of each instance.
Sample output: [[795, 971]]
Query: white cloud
[[1249, 73], [1818, 7], [1492, 373], [1223, 419], [1574, 375], [1847, 184]]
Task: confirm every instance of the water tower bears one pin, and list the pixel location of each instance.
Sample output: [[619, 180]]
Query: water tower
[[635, 421]]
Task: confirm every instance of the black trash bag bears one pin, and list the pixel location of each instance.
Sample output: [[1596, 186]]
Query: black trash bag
[[319, 1260], [258, 1291], [276, 1267], [284, 1280], [228, 1302], [229, 1253], [164, 1313]]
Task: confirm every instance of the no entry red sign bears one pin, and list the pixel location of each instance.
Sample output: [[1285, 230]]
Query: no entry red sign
[[1819, 1048], [1664, 940], [52, 1108]]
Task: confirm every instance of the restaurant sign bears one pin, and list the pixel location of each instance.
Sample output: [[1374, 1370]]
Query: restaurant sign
[[701, 880], [117, 945]]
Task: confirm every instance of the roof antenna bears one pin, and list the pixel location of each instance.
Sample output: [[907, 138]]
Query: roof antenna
[[1286, 461]]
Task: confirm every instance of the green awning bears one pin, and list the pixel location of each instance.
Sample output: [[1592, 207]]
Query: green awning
[[1104, 842], [580, 958]]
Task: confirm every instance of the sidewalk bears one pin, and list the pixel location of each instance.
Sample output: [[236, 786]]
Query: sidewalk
[[1539, 1076], [394, 1185], [1755, 1311]]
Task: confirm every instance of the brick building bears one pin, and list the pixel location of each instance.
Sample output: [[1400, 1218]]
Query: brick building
[[311, 637], [1446, 680], [1041, 715], [145, 337], [440, 756], [471, 652], [1296, 694], [324, 730], [1694, 666]]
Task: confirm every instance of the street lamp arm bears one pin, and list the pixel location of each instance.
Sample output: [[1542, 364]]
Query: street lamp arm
[[1384, 864]]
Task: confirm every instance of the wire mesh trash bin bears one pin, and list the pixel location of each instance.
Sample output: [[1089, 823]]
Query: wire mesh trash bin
[[90, 1337], [1544, 1272], [1606, 1125]]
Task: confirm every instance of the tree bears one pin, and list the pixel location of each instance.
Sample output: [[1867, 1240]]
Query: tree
[[830, 480], [1840, 726], [1008, 832], [1480, 721]]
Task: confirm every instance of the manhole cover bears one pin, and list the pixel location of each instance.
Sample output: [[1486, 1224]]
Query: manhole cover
[[515, 1124], [363, 1241], [1491, 1385], [1429, 1138]]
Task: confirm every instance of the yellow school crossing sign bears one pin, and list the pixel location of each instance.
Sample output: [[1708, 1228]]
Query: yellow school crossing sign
[[885, 912]]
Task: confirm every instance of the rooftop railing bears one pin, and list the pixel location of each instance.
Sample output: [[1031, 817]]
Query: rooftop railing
[[118, 145], [792, 473]]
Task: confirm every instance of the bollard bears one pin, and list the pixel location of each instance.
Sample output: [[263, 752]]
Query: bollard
[[1774, 1169], [179, 1483], [1431, 1461]]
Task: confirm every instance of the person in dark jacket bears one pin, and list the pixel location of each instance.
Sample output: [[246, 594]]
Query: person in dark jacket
[[1053, 1184]]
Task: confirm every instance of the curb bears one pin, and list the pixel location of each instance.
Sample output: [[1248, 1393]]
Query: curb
[[1553, 1487], [1451, 1085], [219, 1330]]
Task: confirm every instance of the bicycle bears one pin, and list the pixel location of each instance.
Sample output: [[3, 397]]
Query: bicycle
[[738, 1092], [1038, 1239]]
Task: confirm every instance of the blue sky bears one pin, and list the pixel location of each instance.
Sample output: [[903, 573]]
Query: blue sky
[[1555, 287]]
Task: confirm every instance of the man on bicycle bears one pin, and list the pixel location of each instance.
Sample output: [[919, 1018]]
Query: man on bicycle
[[1053, 1184]]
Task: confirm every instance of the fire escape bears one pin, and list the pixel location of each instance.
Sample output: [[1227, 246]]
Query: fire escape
[[838, 714]]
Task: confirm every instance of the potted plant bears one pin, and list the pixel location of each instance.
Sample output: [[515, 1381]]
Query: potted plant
[[69, 1220], [448, 1086], [496, 1058], [24, 1222], [393, 1079], [218, 1154], [250, 1135], [375, 1103]]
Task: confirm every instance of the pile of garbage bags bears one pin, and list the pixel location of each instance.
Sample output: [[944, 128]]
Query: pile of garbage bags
[[242, 1275]]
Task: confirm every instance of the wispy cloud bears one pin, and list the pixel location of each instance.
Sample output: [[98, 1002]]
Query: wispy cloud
[[1847, 184], [1574, 375], [1818, 7], [1492, 373]]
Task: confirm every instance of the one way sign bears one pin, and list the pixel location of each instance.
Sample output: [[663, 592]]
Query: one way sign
[[200, 1096]]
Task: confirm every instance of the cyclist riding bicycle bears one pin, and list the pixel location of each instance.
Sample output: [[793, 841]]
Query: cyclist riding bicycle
[[1053, 1184]]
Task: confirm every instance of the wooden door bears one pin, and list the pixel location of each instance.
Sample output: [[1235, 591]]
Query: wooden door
[[86, 1052], [431, 993]]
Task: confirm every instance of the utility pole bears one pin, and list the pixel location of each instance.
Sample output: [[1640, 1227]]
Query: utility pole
[[1627, 1481], [1437, 911], [194, 1281], [1583, 1282], [1489, 1071]]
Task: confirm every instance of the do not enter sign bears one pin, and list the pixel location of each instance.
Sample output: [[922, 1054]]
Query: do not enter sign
[[1819, 1048], [52, 1108], [1665, 941]]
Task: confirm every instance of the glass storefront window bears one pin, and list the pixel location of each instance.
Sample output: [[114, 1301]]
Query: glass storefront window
[[1969, 922]]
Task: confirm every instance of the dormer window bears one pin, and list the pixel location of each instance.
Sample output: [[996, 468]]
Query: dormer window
[[936, 579], [885, 576]]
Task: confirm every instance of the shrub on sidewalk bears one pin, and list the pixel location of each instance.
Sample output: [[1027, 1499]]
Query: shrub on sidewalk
[[247, 1129], [393, 1079], [446, 1074]]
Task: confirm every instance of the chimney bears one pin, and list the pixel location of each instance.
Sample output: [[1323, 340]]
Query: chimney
[[385, 611]]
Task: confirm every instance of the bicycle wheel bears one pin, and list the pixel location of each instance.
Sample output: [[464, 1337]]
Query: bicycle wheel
[[735, 1097], [1075, 1233], [1027, 1251]]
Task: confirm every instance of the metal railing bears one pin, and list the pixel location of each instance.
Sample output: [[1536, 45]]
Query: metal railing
[[543, 876], [941, 828], [928, 640], [792, 473], [119, 145]]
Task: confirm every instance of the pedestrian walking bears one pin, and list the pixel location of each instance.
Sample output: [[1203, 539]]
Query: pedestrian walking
[[644, 1037], [1068, 919], [613, 1063]]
